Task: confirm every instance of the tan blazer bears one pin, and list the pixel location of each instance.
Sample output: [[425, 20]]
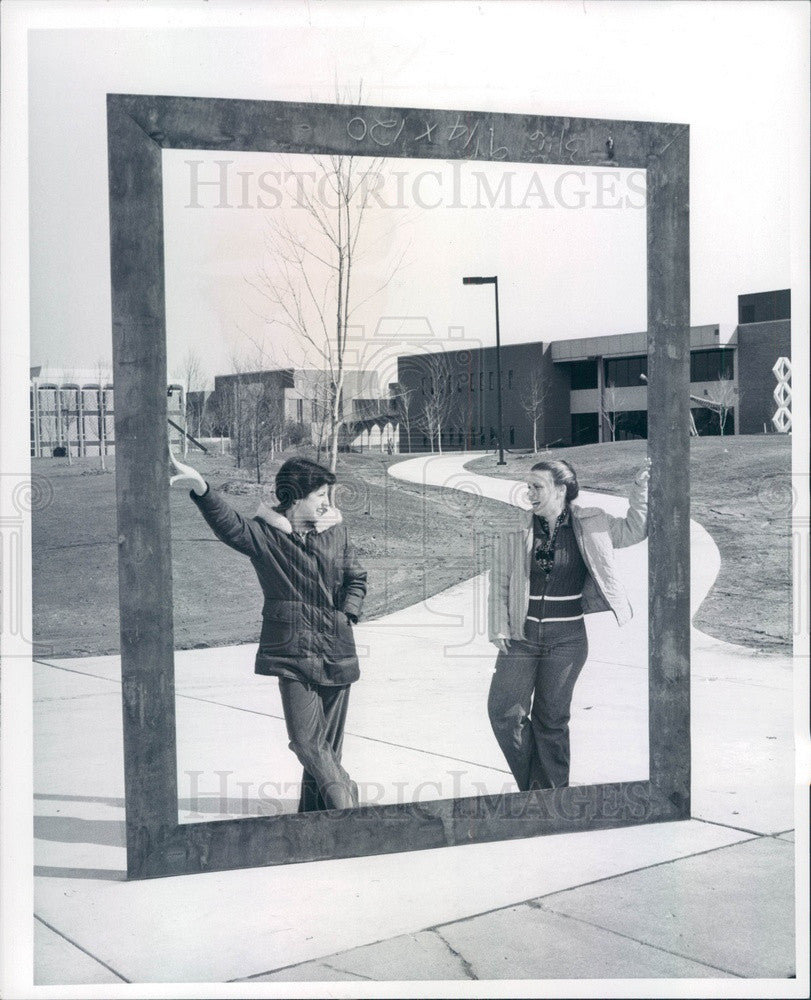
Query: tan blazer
[[597, 534]]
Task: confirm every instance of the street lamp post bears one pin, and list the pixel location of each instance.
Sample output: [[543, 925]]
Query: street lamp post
[[494, 282]]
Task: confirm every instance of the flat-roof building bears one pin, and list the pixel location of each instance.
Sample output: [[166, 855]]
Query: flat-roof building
[[72, 411], [763, 335], [594, 389], [304, 396], [564, 392]]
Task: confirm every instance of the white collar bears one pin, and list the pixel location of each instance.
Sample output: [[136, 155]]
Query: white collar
[[277, 520]]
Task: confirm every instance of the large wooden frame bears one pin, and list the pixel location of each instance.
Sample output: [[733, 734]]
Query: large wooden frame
[[139, 127]]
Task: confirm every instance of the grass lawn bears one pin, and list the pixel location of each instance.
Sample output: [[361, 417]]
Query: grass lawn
[[740, 491], [414, 542]]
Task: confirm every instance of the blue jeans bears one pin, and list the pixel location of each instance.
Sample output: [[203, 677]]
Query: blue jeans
[[530, 703]]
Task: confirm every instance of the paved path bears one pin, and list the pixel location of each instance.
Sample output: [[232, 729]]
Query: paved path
[[708, 897], [755, 740]]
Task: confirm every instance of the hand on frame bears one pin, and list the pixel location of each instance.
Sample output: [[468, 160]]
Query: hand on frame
[[643, 474], [186, 474]]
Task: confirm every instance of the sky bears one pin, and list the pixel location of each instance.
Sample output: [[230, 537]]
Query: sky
[[563, 271]]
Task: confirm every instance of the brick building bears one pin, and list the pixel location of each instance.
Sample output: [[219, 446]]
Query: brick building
[[302, 396], [594, 389], [763, 335]]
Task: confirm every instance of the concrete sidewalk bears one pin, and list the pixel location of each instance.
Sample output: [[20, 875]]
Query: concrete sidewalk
[[707, 898]]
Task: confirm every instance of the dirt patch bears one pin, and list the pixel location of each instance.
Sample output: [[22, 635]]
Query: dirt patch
[[414, 542]]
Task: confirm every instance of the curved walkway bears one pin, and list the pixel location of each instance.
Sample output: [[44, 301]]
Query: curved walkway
[[741, 728], [450, 472]]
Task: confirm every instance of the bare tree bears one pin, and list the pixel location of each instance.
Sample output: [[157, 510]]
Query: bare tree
[[233, 409], [264, 416], [104, 378], [308, 277], [296, 433], [317, 398], [228, 415], [322, 410], [191, 373], [722, 398], [230, 408], [438, 398], [48, 418], [532, 401], [352, 425], [609, 413], [257, 409], [217, 415], [402, 401], [68, 404]]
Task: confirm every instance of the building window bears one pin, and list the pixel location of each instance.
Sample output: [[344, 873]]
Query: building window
[[626, 371], [512, 435], [481, 381], [584, 428], [490, 380], [510, 379], [630, 425], [712, 366], [584, 374], [761, 307], [460, 383], [708, 421]]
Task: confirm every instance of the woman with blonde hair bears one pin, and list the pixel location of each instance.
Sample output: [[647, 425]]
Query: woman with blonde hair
[[542, 583]]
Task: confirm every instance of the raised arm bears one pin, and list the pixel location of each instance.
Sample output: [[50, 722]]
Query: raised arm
[[238, 532], [633, 527]]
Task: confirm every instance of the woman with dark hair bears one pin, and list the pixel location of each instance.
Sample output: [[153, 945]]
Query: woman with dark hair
[[314, 589], [543, 581]]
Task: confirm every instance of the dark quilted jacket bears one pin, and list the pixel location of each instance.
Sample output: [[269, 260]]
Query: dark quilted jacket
[[310, 585]]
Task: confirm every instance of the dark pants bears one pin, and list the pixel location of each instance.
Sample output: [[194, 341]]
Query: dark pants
[[530, 703], [315, 717]]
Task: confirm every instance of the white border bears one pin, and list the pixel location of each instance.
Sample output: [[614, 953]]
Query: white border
[[16, 946]]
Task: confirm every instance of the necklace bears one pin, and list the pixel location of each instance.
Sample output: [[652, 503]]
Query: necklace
[[545, 544]]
